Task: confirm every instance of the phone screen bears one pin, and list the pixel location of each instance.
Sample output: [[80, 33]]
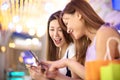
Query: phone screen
[[30, 58]]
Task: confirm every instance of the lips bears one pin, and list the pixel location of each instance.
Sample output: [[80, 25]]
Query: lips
[[57, 41]]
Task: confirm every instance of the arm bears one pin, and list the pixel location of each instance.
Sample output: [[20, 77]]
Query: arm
[[101, 38], [58, 76], [72, 72], [71, 55], [74, 66], [61, 77]]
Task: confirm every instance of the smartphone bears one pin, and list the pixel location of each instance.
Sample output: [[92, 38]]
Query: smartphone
[[29, 58]]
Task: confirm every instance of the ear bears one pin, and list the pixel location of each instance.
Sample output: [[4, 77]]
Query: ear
[[78, 15]]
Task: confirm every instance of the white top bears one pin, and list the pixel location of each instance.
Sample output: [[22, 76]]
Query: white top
[[70, 51]]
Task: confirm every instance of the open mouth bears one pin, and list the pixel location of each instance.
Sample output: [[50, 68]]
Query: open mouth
[[57, 41]]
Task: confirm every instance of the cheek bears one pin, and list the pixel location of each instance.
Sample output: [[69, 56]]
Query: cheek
[[72, 25], [78, 33], [51, 34], [61, 35], [63, 38]]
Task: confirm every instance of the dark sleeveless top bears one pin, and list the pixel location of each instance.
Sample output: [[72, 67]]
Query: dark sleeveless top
[[68, 71]]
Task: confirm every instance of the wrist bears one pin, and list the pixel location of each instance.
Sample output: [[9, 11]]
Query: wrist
[[67, 61], [62, 77]]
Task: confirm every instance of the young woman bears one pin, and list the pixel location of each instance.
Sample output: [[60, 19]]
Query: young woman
[[82, 21], [59, 45]]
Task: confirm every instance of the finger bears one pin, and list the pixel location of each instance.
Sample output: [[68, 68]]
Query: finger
[[51, 74], [44, 66], [52, 68], [46, 62], [28, 66]]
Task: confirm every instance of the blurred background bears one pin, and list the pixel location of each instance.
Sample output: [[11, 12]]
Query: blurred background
[[23, 25]]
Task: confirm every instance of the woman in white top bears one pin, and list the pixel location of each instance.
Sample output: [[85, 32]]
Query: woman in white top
[[59, 45]]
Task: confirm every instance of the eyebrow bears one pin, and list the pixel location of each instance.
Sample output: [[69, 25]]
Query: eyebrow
[[54, 26], [65, 18]]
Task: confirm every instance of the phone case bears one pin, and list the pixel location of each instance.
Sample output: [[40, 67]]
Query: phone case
[[29, 58]]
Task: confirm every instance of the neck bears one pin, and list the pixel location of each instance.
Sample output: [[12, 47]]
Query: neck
[[90, 33], [62, 50]]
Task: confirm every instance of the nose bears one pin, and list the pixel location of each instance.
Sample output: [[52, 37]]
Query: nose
[[69, 30], [55, 33]]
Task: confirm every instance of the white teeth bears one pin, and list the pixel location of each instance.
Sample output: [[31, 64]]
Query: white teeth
[[58, 40]]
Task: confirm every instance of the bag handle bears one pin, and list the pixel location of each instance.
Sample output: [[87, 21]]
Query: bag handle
[[107, 55]]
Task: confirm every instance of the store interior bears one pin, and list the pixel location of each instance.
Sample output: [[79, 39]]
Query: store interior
[[23, 25]]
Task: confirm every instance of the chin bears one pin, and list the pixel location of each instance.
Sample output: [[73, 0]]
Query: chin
[[76, 37], [58, 45]]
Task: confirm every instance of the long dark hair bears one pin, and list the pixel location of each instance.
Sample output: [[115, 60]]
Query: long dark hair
[[90, 17], [52, 50]]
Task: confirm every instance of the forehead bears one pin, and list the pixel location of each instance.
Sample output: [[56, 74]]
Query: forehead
[[54, 23], [66, 16]]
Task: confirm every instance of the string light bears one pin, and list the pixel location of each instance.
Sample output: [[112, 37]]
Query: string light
[[28, 13]]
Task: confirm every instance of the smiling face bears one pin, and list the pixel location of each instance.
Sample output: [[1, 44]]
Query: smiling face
[[56, 33], [74, 24]]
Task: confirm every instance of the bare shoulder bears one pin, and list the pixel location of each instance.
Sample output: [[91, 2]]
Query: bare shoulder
[[102, 36], [107, 32]]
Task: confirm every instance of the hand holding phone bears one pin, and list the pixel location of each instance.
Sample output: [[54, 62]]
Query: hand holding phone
[[30, 59]]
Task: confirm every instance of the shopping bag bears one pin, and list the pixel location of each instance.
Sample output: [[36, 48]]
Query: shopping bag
[[112, 71], [93, 67]]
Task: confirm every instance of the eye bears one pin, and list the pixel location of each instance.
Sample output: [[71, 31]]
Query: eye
[[60, 29], [51, 29]]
